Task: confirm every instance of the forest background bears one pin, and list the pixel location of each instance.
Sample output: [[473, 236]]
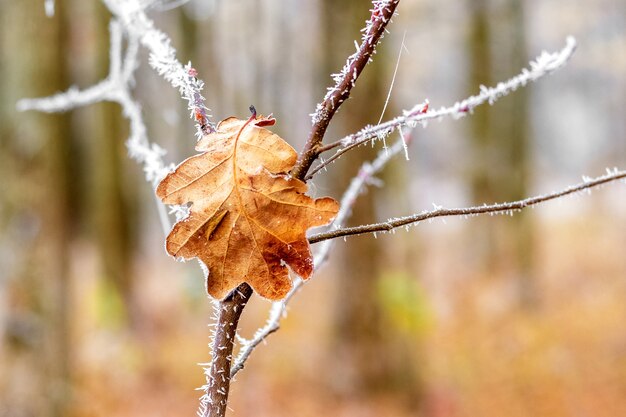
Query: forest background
[[502, 316]]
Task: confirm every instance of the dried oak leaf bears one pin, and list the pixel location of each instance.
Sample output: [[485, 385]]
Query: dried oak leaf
[[248, 218]]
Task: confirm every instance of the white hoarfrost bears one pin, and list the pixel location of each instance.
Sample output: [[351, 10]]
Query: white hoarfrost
[[131, 22], [543, 65]]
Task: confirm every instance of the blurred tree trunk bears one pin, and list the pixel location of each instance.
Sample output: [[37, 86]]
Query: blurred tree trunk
[[501, 138], [365, 344], [112, 190], [482, 170], [39, 214], [208, 62], [189, 52]]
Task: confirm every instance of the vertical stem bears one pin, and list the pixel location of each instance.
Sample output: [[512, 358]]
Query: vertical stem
[[218, 382]]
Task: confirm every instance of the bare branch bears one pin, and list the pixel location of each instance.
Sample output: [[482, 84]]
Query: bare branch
[[382, 12], [545, 64], [468, 211]]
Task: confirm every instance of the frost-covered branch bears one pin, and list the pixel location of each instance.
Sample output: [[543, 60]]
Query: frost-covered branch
[[228, 311], [163, 58], [116, 88], [131, 22], [365, 177], [382, 12], [500, 208], [545, 64]]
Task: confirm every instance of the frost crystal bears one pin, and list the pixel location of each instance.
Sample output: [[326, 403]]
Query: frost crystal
[[545, 64]]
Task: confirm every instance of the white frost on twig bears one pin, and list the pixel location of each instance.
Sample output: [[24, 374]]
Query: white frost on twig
[[543, 65], [131, 22], [163, 58], [338, 78], [500, 208], [116, 87]]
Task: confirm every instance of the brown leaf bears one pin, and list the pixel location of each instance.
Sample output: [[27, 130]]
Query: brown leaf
[[248, 218]]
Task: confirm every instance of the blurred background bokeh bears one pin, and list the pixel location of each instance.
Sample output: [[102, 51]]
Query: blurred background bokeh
[[498, 316]]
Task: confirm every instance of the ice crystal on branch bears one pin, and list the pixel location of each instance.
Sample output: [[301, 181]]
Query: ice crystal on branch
[[131, 22], [163, 58], [545, 64], [346, 78], [499, 208]]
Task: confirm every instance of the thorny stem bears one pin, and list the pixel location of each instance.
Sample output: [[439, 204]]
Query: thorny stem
[[325, 162], [543, 65], [467, 211], [216, 398], [382, 13]]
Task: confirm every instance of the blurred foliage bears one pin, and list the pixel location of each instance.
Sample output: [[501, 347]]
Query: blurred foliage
[[405, 304]]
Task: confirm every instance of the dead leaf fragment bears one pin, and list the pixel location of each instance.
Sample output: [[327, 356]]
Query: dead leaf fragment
[[248, 218]]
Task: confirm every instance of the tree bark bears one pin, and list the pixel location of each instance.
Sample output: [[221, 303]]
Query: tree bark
[[215, 402]]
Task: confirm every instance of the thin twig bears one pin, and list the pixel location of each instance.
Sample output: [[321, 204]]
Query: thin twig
[[163, 58], [382, 12], [467, 211], [545, 64], [215, 400], [393, 79]]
